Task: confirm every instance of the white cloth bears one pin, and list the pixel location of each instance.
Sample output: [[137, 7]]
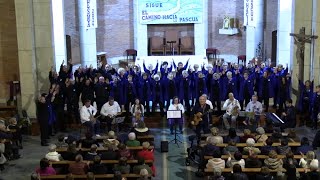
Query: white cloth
[[113, 110], [229, 105], [174, 107], [209, 103], [53, 156], [254, 107], [85, 113]]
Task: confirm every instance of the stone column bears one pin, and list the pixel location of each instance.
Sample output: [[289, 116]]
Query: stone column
[[59, 36], [88, 45], [140, 32], [284, 41], [201, 32], [315, 73], [253, 20], [35, 49]]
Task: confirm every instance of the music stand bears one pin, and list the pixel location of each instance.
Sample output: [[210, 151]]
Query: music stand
[[175, 115]]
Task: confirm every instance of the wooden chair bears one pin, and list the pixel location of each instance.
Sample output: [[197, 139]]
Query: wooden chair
[[242, 58], [156, 45], [97, 176], [131, 52], [211, 52], [172, 35], [186, 45]]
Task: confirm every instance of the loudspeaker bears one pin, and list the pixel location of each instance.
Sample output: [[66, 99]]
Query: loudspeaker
[[164, 146]]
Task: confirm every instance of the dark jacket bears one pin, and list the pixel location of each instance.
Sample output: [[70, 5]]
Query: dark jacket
[[98, 169]]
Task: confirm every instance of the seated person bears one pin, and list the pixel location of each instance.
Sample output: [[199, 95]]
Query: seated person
[[273, 162], [232, 136], [314, 171], [61, 143], [141, 129], [71, 153], [306, 159], [45, 169], [109, 153], [210, 147], [261, 137], [289, 160], [268, 147], [230, 148], [88, 141], [97, 167], [216, 161], [112, 140], [137, 111], [246, 134], [276, 135], [253, 161], [79, 167], [123, 167], [53, 155], [283, 148], [124, 151], [250, 147], [254, 107], [132, 142], [217, 174], [304, 147], [147, 154], [144, 175], [141, 165], [237, 173], [87, 113], [109, 111], [264, 174], [231, 106], [16, 136], [292, 136], [215, 134], [235, 159], [92, 153]]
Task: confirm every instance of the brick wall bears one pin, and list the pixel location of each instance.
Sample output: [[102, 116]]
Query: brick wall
[[115, 26], [9, 67]]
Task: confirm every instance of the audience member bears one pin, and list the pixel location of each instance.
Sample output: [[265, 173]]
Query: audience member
[[53, 155], [246, 134], [236, 159], [88, 141], [289, 160], [122, 166], [97, 167], [45, 168], [217, 174], [283, 148], [304, 146], [306, 160], [79, 167], [109, 153], [253, 161], [71, 153], [124, 151], [112, 140], [273, 162], [250, 147], [264, 174], [261, 137], [268, 147], [292, 136], [230, 148], [92, 153], [313, 174], [141, 129], [61, 143], [141, 165], [210, 147], [144, 175], [132, 142], [215, 134], [216, 161], [232, 136], [237, 173]]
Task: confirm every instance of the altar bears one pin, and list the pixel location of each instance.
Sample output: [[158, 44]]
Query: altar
[[193, 59]]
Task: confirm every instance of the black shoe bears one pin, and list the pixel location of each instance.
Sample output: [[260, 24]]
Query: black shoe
[[44, 144]]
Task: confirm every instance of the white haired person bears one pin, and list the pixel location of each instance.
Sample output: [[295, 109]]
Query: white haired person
[[157, 94], [150, 71], [230, 85], [250, 147], [313, 171], [132, 142], [53, 155], [176, 106], [231, 106], [180, 67]]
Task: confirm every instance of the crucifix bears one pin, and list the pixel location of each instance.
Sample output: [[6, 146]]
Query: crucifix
[[300, 40]]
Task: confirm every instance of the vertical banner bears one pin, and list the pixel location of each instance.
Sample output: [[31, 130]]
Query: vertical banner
[[249, 13], [89, 14]]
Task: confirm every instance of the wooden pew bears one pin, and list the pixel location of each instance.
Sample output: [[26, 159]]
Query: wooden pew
[[138, 148], [258, 156], [131, 161], [149, 138], [204, 136], [248, 170], [84, 177], [242, 145]]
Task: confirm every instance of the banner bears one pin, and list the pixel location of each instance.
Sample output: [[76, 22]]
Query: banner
[[89, 14], [170, 11]]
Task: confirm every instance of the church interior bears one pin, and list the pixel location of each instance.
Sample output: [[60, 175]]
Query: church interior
[[159, 89]]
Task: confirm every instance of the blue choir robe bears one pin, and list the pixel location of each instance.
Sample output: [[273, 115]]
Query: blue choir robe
[[126, 91], [286, 90], [229, 86], [170, 89], [154, 71], [165, 72], [269, 86], [145, 90], [216, 89], [185, 88], [250, 86], [304, 92], [157, 94], [200, 87], [117, 91], [179, 71]]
